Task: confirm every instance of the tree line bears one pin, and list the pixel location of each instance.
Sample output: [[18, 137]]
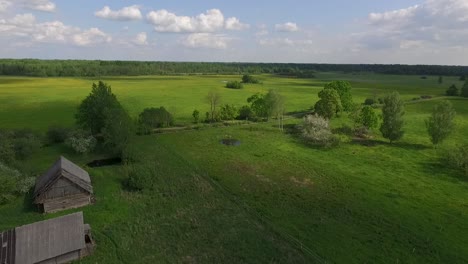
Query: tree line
[[96, 68]]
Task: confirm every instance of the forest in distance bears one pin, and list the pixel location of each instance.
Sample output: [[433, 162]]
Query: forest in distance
[[96, 68]]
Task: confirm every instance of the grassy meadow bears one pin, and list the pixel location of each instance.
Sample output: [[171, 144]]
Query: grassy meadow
[[271, 199]]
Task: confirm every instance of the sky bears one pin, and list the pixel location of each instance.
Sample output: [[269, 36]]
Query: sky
[[295, 31]]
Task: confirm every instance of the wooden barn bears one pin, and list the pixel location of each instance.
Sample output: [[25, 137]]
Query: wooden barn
[[63, 186], [58, 240]]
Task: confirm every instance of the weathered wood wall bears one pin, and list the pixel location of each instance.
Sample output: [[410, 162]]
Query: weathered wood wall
[[66, 258], [68, 202], [63, 187]]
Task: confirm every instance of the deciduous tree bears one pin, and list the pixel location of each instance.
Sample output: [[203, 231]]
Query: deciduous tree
[[214, 100], [440, 124], [196, 116], [452, 90], [329, 104], [367, 117], [258, 105], [118, 130], [464, 90], [392, 113], [344, 91], [90, 115], [276, 104]]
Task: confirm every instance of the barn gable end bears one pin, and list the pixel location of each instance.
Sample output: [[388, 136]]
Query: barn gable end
[[63, 186]]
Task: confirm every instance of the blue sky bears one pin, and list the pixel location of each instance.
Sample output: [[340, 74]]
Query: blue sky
[[360, 31]]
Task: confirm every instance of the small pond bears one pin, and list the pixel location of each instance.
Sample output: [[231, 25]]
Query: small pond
[[105, 162], [230, 142]]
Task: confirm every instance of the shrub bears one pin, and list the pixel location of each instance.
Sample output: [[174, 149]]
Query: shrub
[[25, 143], [456, 158], [246, 113], [228, 112], [196, 116], [452, 90], [362, 132], [155, 118], [369, 101], [18, 144], [81, 141], [234, 85], [249, 79], [7, 152], [57, 134], [464, 90], [13, 183], [316, 130], [140, 177]]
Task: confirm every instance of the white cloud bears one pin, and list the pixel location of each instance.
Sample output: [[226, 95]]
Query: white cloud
[[40, 5], [4, 5], [233, 23], [26, 27], [90, 36], [141, 39], [206, 40], [164, 21], [410, 44], [262, 30], [440, 22], [393, 16], [208, 22], [125, 14], [287, 27]]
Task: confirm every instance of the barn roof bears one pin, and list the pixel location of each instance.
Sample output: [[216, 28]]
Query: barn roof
[[48, 239], [63, 168]]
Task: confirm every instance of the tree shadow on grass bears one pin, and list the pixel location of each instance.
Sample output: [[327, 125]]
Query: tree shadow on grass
[[292, 129], [437, 169], [403, 145]]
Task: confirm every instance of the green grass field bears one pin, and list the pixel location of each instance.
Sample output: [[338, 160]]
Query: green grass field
[[270, 200]]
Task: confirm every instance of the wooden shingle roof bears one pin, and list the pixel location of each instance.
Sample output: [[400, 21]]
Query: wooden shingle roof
[[63, 168], [50, 238]]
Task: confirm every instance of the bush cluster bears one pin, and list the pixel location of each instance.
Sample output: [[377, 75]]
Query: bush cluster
[[456, 158], [249, 79], [18, 144], [57, 134], [140, 176], [316, 130], [13, 183], [234, 85], [81, 141]]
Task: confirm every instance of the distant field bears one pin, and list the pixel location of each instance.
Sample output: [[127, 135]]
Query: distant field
[[40, 102], [270, 200]]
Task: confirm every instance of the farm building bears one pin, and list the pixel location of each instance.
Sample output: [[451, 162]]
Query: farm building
[[58, 240], [63, 186]]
